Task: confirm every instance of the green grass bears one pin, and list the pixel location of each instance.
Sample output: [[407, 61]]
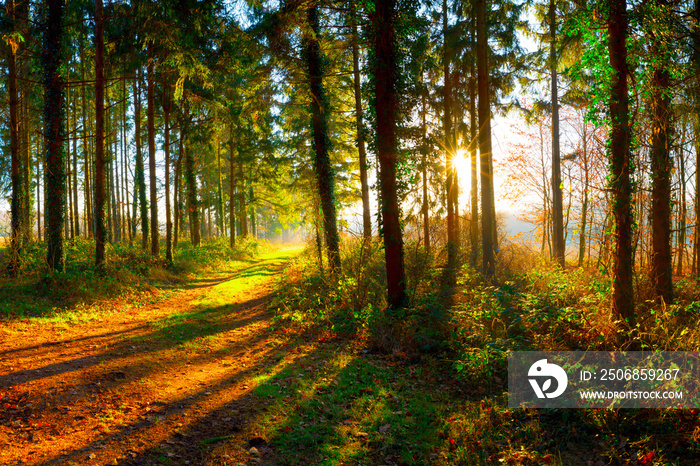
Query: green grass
[[130, 279], [456, 390]]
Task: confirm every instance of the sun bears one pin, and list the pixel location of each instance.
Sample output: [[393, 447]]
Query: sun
[[462, 165]]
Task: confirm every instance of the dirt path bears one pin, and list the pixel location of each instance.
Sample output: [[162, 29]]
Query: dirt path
[[151, 384]]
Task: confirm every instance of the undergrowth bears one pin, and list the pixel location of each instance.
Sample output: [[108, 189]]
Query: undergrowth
[[533, 305], [129, 270], [352, 302]]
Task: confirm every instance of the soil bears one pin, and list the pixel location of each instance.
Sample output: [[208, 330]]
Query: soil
[[157, 383]]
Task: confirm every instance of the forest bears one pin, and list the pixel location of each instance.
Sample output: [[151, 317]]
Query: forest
[[314, 231]]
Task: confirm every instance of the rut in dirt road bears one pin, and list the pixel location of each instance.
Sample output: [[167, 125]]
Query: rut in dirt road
[[138, 384]]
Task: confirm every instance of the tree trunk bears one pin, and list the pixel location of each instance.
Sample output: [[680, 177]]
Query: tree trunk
[[487, 220], [424, 162], [16, 204], [243, 212], [190, 177], [682, 205], [366, 217], [167, 105], [557, 201], [661, 166], [125, 164], [319, 241], [320, 112], [221, 224], [76, 210], [696, 241], [22, 14], [155, 247], [54, 132], [70, 226], [232, 189], [114, 164], [38, 196], [140, 170], [584, 203], [620, 163], [253, 213], [385, 76], [86, 153], [109, 178], [449, 147], [474, 224], [178, 193]]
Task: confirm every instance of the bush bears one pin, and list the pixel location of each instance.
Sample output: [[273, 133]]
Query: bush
[[353, 303]]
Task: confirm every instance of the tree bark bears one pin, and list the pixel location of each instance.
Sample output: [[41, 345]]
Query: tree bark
[[253, 213], [167, 105], [385, 71], [487, 220], [620, 165], [38, 196], [584, 203], [661, 166], [150, 92], [696, 242], [243, 212], [89, 226], [192, 207], [424, 163], [449, 147], [140, 170], [364, 185], [320, 112], [54, 132], [17, 191], [178, 191], [557, 200], [22, 14], [681, 205], [474, 224], [221, 224], [76, 210], [232, 189]]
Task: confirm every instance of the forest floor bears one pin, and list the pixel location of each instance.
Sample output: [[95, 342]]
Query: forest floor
[[202, 373], [146, 382]]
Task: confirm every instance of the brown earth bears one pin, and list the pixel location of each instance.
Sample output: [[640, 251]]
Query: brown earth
[[159, 383]]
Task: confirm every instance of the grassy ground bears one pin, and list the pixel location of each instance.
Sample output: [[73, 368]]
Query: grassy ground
[[267, 360]]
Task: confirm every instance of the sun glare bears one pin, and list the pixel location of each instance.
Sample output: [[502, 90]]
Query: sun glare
[[461, 164]]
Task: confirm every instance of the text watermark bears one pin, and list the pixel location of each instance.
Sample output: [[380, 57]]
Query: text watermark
[[601, 379]]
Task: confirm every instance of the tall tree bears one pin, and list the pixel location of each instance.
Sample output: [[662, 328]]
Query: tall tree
[[17, 191], [150, 97], [450, 182], [559, 249], [52, 59], [385, 89], [364, 185], [474, 195], [487, 220], [320, 111], [661, 166], [167, 107], [100, 232], [232, 187], [620, 164], [140, 182]]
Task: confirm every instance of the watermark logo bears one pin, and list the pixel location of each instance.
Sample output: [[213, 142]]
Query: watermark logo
[[544, 372]]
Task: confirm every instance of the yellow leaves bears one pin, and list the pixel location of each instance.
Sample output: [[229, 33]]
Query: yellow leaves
[[179, 87], [13, 40]]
